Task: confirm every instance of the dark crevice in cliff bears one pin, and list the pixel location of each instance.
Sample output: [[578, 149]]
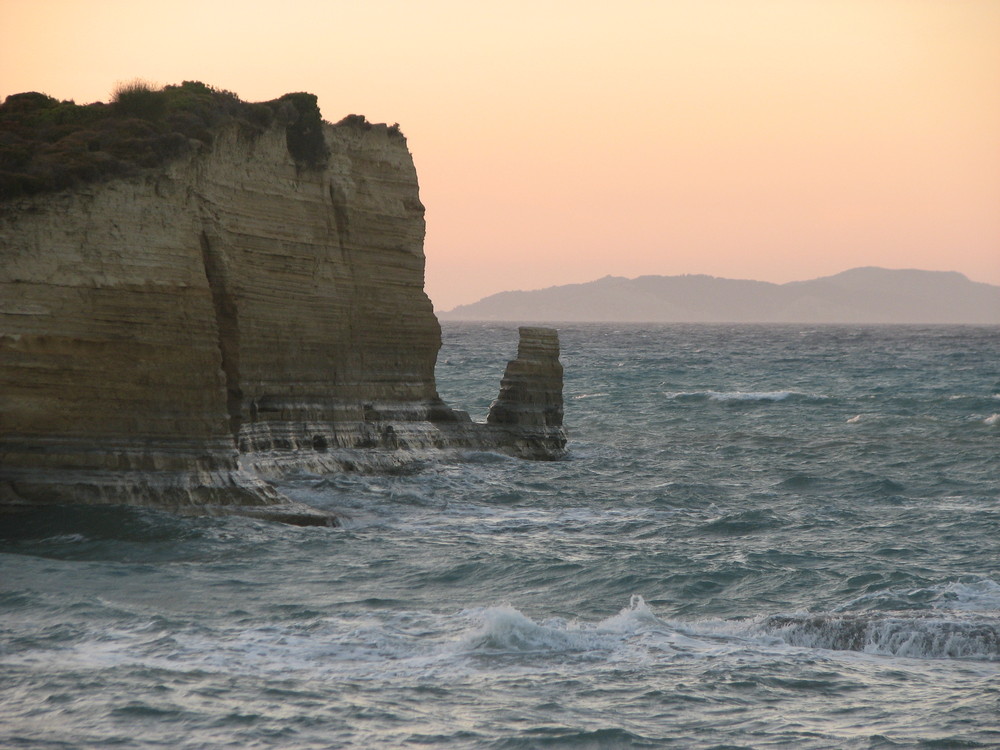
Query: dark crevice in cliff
[[227, 324], [339, 201]]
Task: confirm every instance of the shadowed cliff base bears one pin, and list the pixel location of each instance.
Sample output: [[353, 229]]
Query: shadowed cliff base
[[175, 334]]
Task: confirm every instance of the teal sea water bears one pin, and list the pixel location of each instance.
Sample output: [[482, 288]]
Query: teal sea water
[[764, 537]]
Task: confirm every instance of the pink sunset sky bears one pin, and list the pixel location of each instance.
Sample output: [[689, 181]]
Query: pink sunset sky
[[558, 142]]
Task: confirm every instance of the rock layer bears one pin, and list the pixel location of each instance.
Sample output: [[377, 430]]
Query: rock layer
[[530, 404], [169, 338]]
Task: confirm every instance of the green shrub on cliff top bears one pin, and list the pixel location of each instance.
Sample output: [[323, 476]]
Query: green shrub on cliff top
[[139, 99], [48, 145], [304, 130]]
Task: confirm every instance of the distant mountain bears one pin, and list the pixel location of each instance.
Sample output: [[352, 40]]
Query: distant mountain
[[861, 295]]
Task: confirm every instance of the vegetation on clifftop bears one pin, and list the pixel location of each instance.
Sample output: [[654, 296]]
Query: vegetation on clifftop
[[48, 145], [304, 131]]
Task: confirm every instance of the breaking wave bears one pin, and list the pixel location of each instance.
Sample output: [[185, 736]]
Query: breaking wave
[[742, 396], [906, 635], [970, 595], [636, 632], [505, 630]]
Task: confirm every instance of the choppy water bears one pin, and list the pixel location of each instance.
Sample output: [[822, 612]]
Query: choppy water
[[764, 537]]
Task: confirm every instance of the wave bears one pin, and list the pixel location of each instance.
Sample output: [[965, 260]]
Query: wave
[[505, 630], [979, 595], [973, 594], [403, 645], [375, 645], [742, 396], [906, 635], [637, 633], [743, 522], [992, 420]]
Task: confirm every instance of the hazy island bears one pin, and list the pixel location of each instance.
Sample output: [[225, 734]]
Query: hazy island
[[857, 296]]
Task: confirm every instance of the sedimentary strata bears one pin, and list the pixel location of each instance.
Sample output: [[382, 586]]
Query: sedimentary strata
[[529, 408], [175, 337]]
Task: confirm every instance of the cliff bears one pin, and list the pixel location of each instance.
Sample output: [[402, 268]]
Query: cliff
[[173, 337]]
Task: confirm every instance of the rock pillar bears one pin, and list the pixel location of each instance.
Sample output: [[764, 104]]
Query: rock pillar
[[530, 404]]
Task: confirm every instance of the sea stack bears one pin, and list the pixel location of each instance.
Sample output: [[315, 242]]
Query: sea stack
[[174, 332], [530, 404]]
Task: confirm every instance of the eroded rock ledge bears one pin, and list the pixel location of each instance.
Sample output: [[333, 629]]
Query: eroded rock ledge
[[175, 338]]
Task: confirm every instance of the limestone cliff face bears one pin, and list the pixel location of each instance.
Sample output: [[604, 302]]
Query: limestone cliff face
[[168, 338]]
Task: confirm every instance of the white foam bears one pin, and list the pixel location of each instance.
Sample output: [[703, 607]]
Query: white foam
[[65, 539], [333, 648], [904, 635], [636, 616], [993, 419], [855, 419], [504, 629], [981, 595], [728, 396], [377, 645], [404, 645]]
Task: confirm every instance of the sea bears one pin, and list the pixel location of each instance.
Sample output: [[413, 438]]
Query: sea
[[762, 537]]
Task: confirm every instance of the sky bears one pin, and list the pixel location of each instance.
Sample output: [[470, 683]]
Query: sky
[[561, 141]]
